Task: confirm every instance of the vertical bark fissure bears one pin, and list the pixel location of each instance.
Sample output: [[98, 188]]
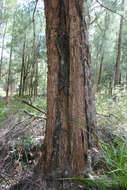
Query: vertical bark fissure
[[62, 43], [51, 12], [69, 88], [85, 59], [78, 139], [58, 128]]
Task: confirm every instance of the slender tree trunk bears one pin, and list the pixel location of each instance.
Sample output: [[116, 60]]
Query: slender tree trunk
[[1, 12], [9, 74], [26, 71], [117, 66], [110, 89], [2, 50], [32, 81], [101, 51], [120, 78], [24, 81], [33, 67], [10, 63], [22, 71], [100, 73], [36, 82], [70, 107]]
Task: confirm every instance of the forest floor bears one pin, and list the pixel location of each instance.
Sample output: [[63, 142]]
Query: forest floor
[[22, 130], [21, 137]]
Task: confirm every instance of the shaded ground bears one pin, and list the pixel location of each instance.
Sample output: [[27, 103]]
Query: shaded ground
[[21, 136]]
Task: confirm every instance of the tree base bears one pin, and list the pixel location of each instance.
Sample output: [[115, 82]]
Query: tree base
[[39, 184]]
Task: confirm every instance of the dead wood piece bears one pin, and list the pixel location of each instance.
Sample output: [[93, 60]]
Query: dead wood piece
[[35, 116], [108, 115], [25, 102]]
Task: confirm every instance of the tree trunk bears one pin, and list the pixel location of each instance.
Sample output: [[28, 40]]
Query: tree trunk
[[1, 12], [33, 69], [120, 78], [36, 82], [100, 73], [9, 68], [2, 50], [10, 63], [110, 89], [22, 70], [9, 77], [70, 107], [26, 71], [24, 81], [117, 66], [101, 52]]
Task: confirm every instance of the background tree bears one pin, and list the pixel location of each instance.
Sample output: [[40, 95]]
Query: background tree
[[96, 31], [117, 67], [33, 70]]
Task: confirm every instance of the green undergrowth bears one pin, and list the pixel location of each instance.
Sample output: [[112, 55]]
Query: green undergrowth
[[112, 109], [112, 115], [2, 109], [112, 118], [16, 105], [114, 174]]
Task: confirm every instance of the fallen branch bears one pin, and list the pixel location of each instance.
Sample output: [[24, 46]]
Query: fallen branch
[[35, 116], [25, 102], [108, 115]]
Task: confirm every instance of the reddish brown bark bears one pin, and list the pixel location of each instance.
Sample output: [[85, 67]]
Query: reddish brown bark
[[70, 107]]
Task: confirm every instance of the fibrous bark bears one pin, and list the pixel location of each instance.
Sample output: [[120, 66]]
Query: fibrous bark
[[70, 107]]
